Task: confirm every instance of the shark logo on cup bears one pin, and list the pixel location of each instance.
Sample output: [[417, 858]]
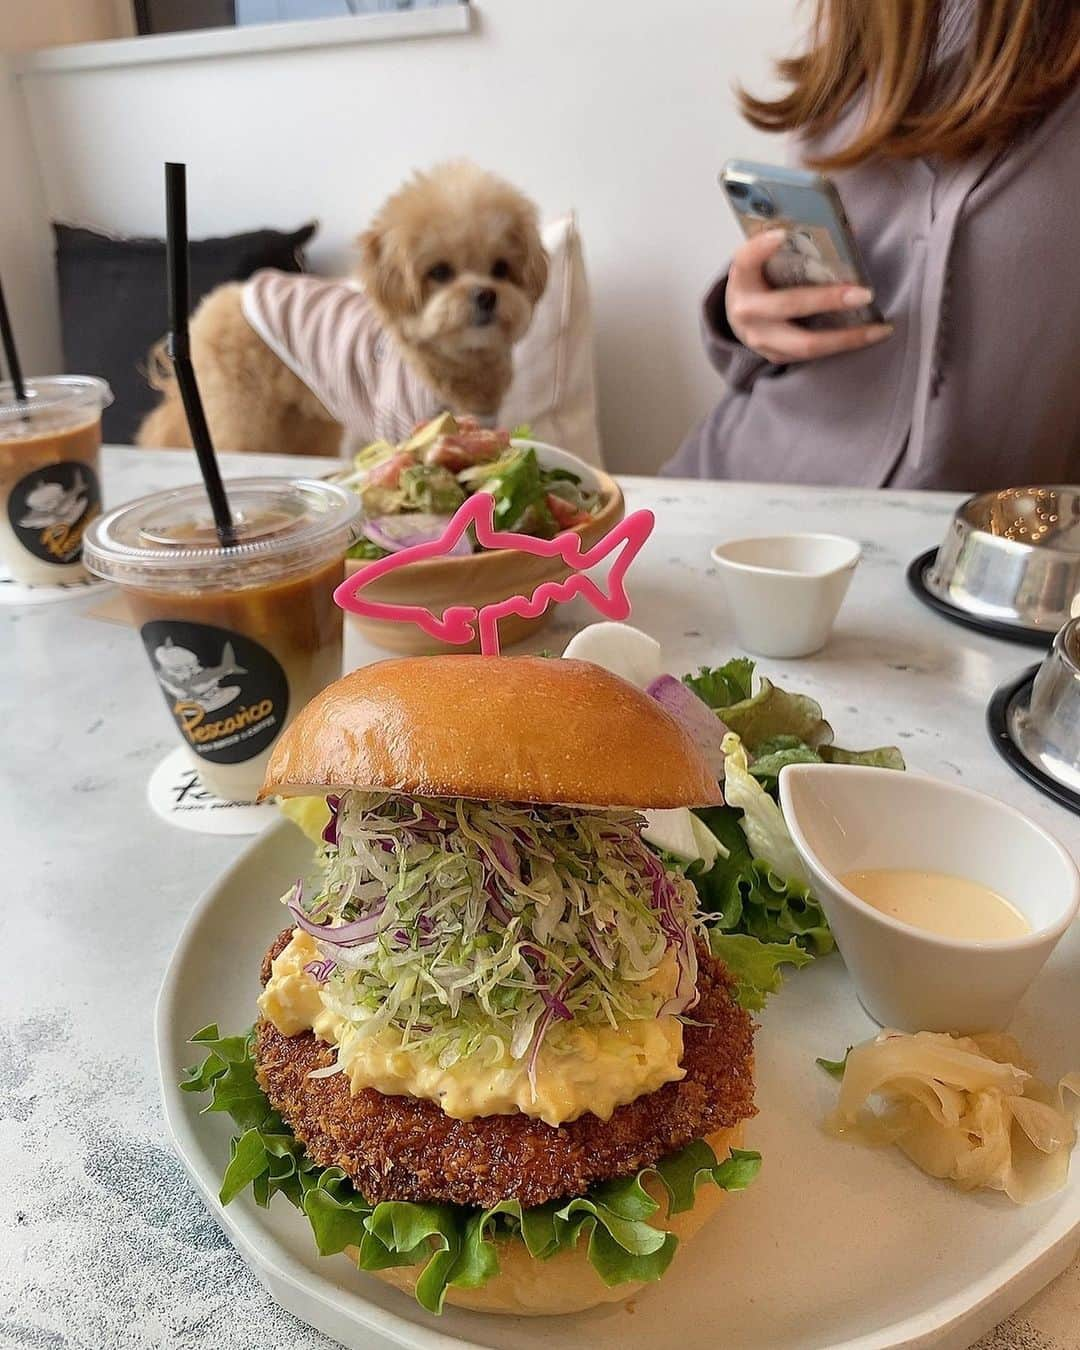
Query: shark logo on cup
[[181, 674], [50, 508], [228, 695]]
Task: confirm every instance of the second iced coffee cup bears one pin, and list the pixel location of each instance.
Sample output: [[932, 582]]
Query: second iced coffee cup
[[238, 638], [49, 493]]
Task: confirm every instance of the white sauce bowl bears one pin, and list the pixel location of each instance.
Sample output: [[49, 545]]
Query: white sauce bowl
[[785, 590], [845, 818]]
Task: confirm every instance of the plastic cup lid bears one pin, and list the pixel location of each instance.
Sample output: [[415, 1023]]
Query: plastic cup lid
[[52, 398], [167, 541]]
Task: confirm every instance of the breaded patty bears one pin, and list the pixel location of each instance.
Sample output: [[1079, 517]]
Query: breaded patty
[[405, 1148]]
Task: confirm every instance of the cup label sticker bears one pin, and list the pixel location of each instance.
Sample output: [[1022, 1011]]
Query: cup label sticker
[[228, 695], [51, 506]]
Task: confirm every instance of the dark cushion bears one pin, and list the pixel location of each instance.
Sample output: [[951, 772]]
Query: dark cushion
[[112, 302]]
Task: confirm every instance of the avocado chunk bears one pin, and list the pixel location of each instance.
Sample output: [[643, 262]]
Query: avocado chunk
[[443, 425]]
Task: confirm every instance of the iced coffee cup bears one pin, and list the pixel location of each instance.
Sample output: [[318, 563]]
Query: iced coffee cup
[[238, 638], [49, 490]]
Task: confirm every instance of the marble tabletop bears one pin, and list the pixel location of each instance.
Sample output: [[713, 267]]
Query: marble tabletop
[[103, 1243]]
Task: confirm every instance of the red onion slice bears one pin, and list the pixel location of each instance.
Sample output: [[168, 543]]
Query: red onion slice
[[409, 528], [695, 717]]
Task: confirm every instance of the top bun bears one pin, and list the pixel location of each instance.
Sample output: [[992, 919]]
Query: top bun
[[521, 728]]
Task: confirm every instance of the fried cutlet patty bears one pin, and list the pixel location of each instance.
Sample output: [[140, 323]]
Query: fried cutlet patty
[[405, 1148]]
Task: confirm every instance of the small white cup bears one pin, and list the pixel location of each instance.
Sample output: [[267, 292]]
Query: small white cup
[[844, 818], [786, 590]]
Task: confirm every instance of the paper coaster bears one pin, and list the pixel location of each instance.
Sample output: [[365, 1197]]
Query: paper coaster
[[176, 794], [14, 592]]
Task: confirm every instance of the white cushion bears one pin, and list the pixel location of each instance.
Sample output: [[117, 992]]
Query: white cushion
[[554, 385]]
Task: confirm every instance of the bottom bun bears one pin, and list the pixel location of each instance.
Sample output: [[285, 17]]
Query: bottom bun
[[567, 1282]]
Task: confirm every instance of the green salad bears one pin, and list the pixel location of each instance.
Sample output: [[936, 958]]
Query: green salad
[[410, 491], [755, 900], [759, 905]]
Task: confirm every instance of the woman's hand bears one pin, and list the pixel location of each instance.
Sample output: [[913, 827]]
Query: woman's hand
[[760, 316]]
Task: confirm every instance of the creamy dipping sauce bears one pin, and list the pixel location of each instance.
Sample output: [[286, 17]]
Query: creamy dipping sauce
[[949, 906]]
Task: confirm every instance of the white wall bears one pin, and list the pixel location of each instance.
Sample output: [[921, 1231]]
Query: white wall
[[619, 108], [26, 264], [26, 261]]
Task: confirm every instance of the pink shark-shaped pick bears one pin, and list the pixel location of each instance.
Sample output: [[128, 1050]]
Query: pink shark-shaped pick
[[459, 624]]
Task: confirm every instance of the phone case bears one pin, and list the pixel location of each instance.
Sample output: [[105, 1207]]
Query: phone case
[[819, 249]]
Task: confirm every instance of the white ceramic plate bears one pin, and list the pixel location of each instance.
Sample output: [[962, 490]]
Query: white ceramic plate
[[833, 1246]]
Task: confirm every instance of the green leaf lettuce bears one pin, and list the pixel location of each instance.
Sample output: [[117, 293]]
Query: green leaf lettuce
[[775, 726], [834, 1067], [455, 1244], [755, 965], [723, 685]]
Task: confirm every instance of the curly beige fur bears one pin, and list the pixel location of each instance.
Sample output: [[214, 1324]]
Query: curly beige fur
[[457, 216], [440, 240]]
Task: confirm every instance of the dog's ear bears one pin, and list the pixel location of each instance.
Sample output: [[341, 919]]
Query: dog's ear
[[385, 279], [534, 263]]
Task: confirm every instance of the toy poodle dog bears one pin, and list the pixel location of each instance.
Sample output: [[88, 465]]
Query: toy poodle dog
[[450, 271]]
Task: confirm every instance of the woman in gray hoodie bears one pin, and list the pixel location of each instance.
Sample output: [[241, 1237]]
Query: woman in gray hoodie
[[952, 131]]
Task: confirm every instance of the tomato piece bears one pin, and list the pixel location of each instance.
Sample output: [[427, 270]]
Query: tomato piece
[[388, 473], [566, 514]]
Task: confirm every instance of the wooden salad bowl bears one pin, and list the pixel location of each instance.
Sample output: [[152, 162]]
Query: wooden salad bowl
[[480, 579]]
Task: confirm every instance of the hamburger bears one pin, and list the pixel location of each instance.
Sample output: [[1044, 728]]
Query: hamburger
[[495, 1063]]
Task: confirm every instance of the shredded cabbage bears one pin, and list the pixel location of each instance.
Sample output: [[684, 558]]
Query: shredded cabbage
[[480, 928]]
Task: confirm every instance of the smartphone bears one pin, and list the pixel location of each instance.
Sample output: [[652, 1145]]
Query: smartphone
[[819, 249]]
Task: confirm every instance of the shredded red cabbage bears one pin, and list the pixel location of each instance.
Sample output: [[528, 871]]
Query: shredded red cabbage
[[678, 934], [344, 935], [552, 1004], [496, 908], [329, 834], [556, 1005], [402, 938], [469, 916], [508, 858], [599, 949]]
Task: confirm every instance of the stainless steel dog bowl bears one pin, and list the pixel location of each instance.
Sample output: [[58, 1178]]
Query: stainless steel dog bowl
[[1045, 727], [1012, 557]]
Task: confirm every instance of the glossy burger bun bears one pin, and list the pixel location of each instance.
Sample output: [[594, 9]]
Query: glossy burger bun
[[567, 1282], [521, 728]]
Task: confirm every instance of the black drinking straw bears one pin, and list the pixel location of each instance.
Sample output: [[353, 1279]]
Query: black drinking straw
[[179, 348], [11, 355]]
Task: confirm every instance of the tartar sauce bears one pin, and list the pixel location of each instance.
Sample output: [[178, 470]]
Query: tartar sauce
[[949, 906]]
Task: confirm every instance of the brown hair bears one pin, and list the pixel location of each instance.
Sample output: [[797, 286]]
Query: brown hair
[[1019, 59]]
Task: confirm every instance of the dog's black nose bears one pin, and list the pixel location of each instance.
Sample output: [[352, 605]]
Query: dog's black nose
[[484, 301]]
